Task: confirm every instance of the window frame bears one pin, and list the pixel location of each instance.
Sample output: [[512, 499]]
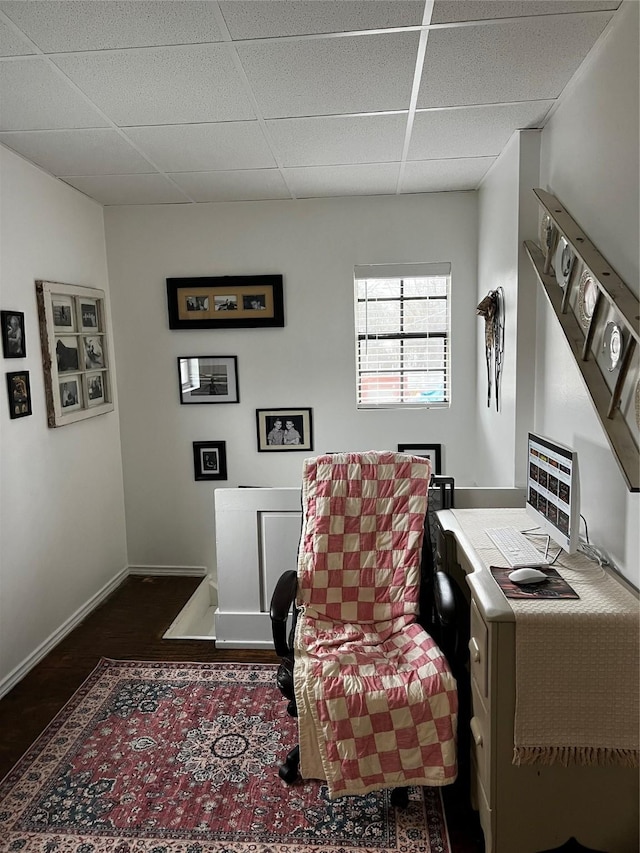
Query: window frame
[[401, 273]]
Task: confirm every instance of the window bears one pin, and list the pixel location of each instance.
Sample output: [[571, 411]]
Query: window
[[403, 335]]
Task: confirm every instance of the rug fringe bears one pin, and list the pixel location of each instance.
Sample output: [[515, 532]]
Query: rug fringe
[[566, 755]]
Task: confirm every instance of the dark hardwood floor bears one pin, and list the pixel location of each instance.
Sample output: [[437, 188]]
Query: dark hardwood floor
[[129, 625]]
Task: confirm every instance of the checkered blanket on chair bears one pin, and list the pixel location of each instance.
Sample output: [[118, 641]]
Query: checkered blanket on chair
[[377, 704]]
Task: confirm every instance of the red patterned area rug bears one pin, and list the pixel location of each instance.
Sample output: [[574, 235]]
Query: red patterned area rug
[[182, 758]]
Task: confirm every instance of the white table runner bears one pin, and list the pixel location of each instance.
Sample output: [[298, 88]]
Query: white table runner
[[577, 661]]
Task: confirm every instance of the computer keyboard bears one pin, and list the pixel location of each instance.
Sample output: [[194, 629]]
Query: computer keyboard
[[515, 547]]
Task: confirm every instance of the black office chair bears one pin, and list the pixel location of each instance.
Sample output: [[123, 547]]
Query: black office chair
[[437, 616]]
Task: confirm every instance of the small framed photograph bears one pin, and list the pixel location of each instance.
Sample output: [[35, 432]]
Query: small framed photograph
[[95, 390], [67, 353], [70, 393], [13, 339], [431, 451], [89, 316], [229, 301], [284, 429], [93, 354], [64, 315], [19, 389], [208, 379], [210, 460]]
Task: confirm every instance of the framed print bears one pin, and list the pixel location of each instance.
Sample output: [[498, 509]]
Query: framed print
[[208, 379], [70, 393], [13, 339], [210, 460], [432, 451], [88, 315], [284, 429], [62, 309], [67, 353], [19, 390], [95, 389], [74, 335], [93, 349], [225, 302]]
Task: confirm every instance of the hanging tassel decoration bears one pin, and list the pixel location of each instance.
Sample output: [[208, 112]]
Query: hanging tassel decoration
[[492, 309]]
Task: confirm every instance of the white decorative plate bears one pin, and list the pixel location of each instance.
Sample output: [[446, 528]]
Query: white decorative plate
[[545, 234], [613, 344], [564, 262], [587, 296]]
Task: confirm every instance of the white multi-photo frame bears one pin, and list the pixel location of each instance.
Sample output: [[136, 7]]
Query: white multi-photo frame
[[74, 334]]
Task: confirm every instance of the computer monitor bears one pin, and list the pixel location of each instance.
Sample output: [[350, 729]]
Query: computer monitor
[[553, 490]]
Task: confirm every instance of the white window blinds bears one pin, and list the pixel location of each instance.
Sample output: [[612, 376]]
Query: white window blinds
[[402, 321]]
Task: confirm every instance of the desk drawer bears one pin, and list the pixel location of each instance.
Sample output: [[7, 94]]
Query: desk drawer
[[481, 748], [479, 652], [480, 803]]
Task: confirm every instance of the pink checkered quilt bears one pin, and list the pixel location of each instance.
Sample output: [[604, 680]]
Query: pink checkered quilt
[[377, 703]]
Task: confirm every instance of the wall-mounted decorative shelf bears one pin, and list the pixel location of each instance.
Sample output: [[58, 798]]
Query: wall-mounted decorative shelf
[[600, 319]]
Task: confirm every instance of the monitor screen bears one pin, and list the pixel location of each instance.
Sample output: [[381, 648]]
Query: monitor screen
[[553, 490]]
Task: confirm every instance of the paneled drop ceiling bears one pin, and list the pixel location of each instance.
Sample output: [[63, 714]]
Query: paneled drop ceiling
[[183, 102]]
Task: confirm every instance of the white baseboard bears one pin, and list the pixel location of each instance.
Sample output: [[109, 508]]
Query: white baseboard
[[17, 674], [171, 571]]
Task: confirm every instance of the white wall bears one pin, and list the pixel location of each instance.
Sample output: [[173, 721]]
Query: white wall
[[587, 156], [507, 216], [62, 530], [590, 163], [498, 267], [314, 244]]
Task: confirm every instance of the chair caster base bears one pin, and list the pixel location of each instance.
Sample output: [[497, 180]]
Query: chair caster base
[[288, 774], [400, 798], [288, 770]]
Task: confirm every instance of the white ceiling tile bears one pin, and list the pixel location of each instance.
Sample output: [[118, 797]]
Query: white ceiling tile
[[11, 44], [167, 85], [251, 185], [204, 147], [100, 151], [269, 18], [324, 76], [317, 181], [446, 11], [515, 61], [471, 131], [128, 189], [90, 25], [332, 107], [34, 97], [338, 140], [432, 176]]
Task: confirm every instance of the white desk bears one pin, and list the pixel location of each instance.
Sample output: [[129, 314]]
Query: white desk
[[526, 809]]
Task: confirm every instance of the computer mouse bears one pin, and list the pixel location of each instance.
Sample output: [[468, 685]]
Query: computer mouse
[[527, 575]]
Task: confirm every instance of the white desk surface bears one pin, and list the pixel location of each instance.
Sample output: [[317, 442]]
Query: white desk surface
[[598, 589]]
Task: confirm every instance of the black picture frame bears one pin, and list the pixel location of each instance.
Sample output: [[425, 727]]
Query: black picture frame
[[274, 435], [431, 451], [19, 391], [210, 460], [206, 379], [14, 344], [225, 302]]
